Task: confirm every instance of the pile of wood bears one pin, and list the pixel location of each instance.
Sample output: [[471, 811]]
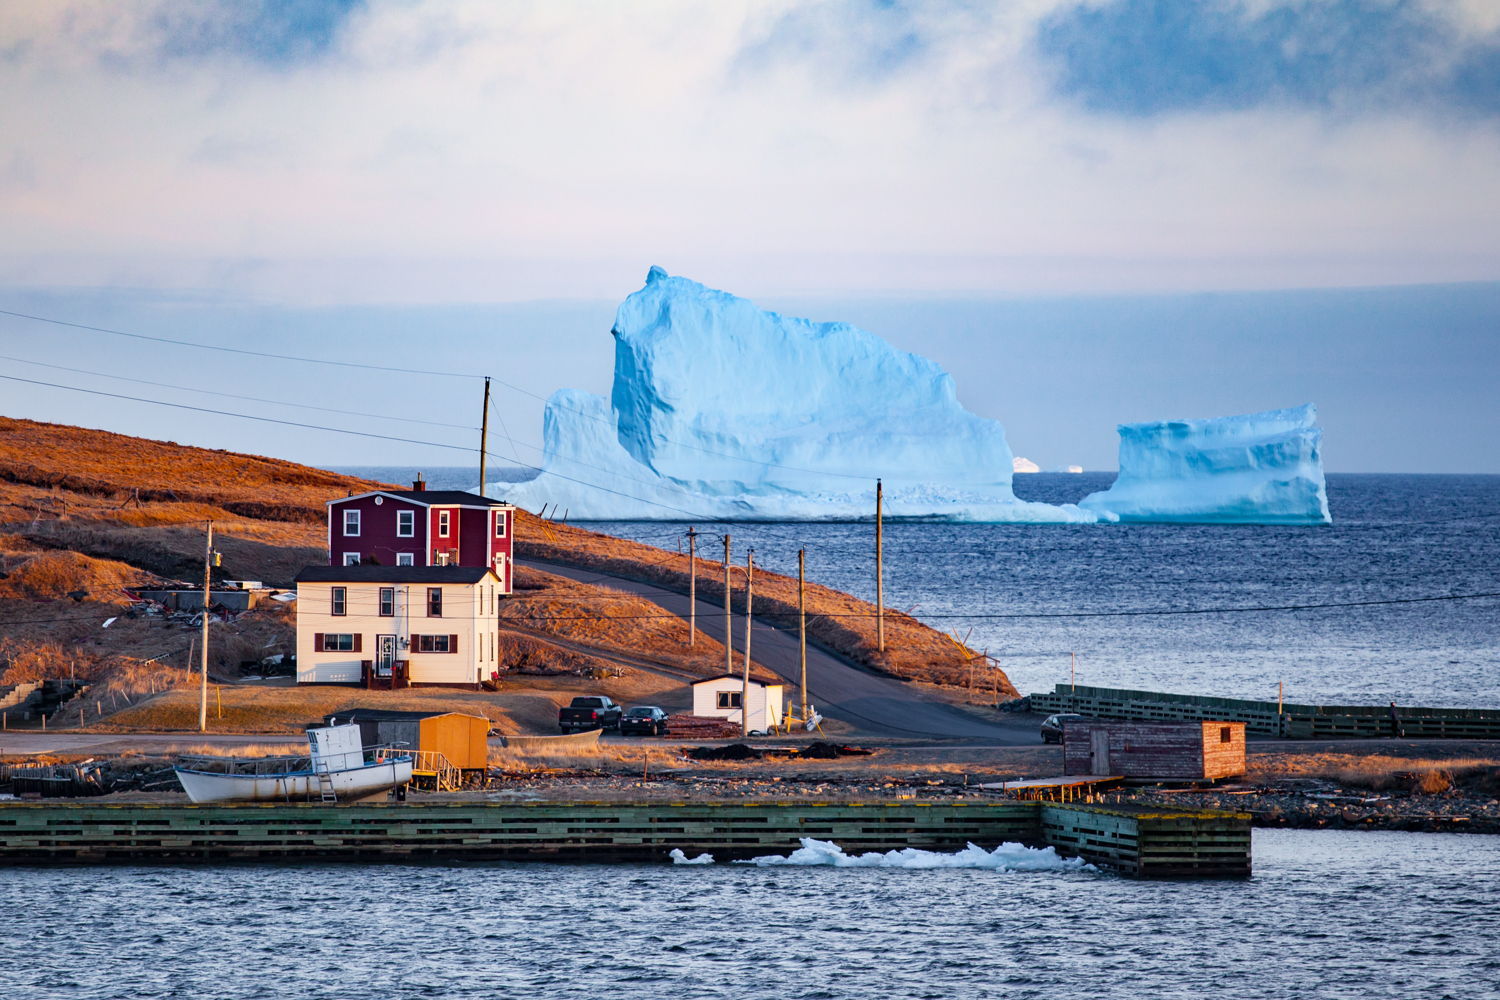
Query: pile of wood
[[701, 727]]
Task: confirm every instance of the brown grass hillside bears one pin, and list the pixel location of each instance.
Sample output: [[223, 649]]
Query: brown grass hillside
[[85, 509]]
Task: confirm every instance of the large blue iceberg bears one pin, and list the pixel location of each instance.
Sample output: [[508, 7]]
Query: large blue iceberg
[[1260, 468], [723, 411]]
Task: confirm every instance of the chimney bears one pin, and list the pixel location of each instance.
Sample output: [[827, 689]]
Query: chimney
[[419, 484]]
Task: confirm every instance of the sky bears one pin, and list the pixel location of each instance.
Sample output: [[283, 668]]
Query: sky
[[1090, 211]]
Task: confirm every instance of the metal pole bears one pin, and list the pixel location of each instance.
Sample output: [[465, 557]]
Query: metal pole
[[208, 560], [484, 435], [692, 536], [1073, 672], [802, 625], [749, 627], [879, 567], [728, 618]]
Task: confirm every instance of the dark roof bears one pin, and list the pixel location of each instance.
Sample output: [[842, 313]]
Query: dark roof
[[437, 497], [366, 573], [385, 715]]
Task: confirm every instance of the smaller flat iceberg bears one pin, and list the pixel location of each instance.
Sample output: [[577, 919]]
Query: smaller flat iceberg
[[1259, 468]]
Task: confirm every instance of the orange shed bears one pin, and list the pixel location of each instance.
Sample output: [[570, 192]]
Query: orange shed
[[462, 739]]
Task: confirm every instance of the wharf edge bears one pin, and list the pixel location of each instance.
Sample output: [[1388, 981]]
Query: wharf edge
[[1139, 841]]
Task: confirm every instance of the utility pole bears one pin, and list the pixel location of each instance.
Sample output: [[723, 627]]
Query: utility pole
[[749, 627], [208, 561], [484, 435], [1073, 672], [728, 618], [692, 536], [802, 625], [879, 568]]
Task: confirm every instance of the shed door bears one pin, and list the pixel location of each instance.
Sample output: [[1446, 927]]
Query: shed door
[[1099, 750]]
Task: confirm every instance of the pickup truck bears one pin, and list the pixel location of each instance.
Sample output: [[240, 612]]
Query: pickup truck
[[593, 711]]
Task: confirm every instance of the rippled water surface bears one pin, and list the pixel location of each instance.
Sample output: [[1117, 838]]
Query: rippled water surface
[[1369, 915], [1392, 537]]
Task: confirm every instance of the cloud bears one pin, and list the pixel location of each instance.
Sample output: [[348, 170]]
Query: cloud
[[1150, 57], [417, 150]]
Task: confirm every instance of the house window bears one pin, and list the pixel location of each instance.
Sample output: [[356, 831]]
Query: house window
[[338, 642], [351, 523], [729, 699], [340, 600], [387, 602], [434, 643], [403, 559], [442, 524], [351, 558], [406, 523], [499, 524], [434, 602], [1224, 734]]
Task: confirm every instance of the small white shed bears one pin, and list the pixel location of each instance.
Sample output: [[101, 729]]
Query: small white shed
[[719, 697]]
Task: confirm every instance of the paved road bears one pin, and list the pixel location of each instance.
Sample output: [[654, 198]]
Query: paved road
[[840, 690]]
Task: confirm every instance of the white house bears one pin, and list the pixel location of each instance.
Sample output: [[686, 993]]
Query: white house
[[395, 626], [720, 697]]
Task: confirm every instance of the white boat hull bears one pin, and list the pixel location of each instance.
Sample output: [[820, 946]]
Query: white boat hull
[[352, 783]]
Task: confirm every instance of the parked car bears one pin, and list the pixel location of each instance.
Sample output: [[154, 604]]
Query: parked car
[[1052, 726], [591, 711], [643, 720]]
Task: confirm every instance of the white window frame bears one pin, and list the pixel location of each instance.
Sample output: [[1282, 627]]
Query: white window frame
[[405, 559], [338, 604], [411, 524], [445, 523], [331, 647], [382, 605], [351, 519], [727, 700], [499, 524], [351, 558]]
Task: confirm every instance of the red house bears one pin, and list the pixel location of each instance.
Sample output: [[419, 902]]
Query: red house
[[422, 527]]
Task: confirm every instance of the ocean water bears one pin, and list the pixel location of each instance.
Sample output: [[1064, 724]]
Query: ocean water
[[1369, 915], [1393, 537]]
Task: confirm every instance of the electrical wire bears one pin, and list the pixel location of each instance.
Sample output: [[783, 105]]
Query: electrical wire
[[236, 350], [233, 395]]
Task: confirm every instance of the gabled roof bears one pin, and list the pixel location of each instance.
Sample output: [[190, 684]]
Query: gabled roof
[[389, 715], [737, 677], [367, 573], [430, 498]]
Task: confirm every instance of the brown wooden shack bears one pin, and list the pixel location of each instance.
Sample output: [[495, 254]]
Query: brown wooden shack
[[1188, 751], [462, 739]]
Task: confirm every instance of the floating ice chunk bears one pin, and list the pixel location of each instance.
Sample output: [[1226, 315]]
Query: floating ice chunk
[[1260, 468], [678, 858], [1019, 464], [722, 410], [1006, 857]]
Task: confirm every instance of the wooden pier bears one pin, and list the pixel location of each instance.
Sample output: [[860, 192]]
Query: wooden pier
[[1142, 844]]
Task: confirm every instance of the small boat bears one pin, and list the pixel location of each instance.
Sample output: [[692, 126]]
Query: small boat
[[337, 768]]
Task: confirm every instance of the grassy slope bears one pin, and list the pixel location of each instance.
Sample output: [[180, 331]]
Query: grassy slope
[[89, 510]]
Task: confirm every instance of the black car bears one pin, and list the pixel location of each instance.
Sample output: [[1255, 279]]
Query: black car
[[643, 720], [1052, 726]]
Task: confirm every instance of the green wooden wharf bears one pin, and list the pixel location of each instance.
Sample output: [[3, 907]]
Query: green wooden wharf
[[1136, 841]]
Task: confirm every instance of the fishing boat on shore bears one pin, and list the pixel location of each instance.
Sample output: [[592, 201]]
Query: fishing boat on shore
[[337, 768]]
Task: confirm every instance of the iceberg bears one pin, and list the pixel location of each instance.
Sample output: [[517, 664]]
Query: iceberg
[[1260, 468], [724, 411]]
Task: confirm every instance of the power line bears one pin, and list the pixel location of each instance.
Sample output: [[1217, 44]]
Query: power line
[[233, 395], [235, 350], [1073, 614], [242, 416]]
